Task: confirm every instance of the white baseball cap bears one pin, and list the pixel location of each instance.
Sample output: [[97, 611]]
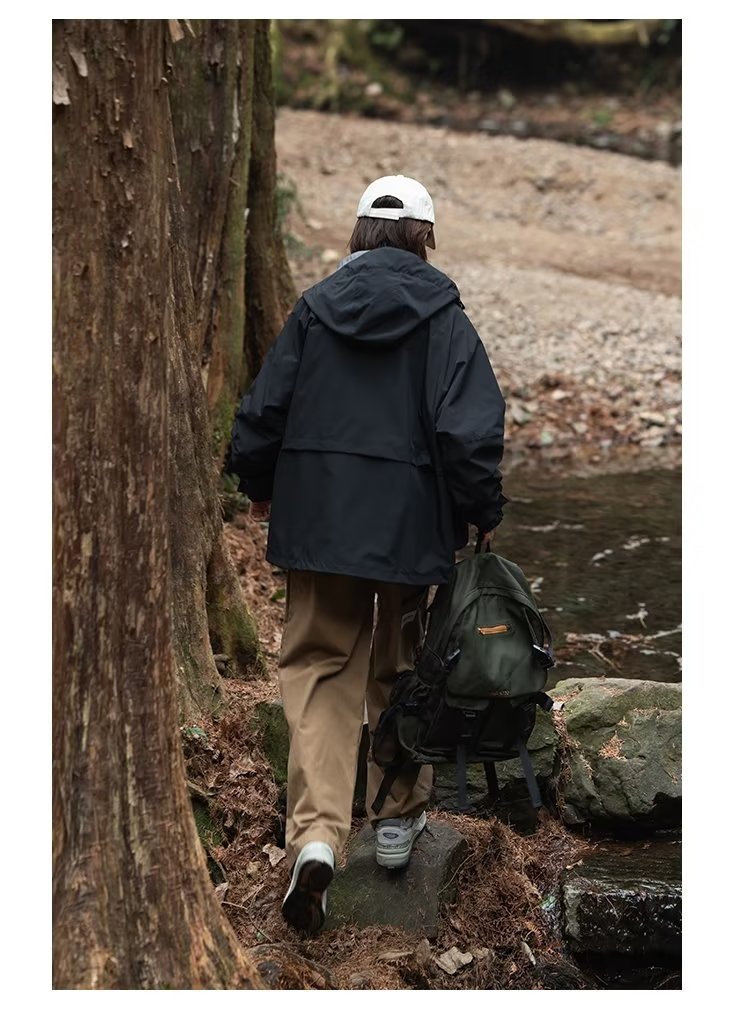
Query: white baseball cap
[[415, 197]]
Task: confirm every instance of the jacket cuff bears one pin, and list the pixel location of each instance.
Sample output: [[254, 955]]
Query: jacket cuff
[[491, 516], [257, 489]]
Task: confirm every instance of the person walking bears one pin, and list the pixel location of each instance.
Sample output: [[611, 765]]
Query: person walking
[[372, 439]]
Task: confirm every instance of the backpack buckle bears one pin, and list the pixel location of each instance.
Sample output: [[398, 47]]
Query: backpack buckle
[[542, 656], [452, 660]]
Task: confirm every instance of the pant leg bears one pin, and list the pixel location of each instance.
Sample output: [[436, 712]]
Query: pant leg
[[323, 671], [400, 622]]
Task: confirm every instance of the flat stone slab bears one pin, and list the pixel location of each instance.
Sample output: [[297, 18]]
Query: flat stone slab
[[365, 894], [627, 901]]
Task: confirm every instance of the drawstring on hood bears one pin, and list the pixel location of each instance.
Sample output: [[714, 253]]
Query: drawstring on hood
[[380, 296]]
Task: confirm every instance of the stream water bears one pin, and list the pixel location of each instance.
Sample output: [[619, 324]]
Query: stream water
[[603, 555]]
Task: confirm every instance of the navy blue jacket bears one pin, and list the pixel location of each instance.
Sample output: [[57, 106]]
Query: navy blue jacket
[[375, 426]]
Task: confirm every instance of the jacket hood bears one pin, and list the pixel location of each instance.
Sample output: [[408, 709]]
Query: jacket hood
[[380, 296]]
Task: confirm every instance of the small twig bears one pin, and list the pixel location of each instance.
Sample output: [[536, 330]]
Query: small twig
[[595, 652]]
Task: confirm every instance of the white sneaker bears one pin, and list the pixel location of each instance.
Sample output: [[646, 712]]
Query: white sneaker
[[395, 839], [304, 905]]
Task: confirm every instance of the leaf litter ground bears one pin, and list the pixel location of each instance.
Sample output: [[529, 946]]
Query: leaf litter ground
[[504, 916]]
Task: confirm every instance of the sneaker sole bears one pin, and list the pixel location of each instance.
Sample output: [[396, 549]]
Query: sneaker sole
[[396, 859], [303, 908]]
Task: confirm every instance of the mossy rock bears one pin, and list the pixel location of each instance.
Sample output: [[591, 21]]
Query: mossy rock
[[365, 894], [210, 834], [232, 632], [274, 738], [619, 752], [209, 830]]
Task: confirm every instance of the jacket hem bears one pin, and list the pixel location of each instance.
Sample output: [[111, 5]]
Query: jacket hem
[[364, 572]]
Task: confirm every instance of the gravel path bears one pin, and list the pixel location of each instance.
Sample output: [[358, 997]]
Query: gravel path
[[568, 261]]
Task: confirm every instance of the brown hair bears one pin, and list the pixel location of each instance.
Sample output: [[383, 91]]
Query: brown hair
[[408, 234]]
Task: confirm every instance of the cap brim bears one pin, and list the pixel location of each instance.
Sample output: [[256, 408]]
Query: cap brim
[[430, 242]]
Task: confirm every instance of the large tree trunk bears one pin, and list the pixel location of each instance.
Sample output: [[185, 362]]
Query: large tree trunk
[[133, 906], [211, 100]]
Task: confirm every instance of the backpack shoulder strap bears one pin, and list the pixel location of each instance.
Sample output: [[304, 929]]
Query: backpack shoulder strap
[[528, 773], [389, 776]]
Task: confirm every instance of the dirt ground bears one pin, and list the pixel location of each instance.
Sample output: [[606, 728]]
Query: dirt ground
[[567, 259]]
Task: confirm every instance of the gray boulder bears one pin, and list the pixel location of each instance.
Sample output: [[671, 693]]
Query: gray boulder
[[626, 901], [365, 894], [619, 752]]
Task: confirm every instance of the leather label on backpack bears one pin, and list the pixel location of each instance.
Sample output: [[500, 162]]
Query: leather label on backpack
[[490, 630]]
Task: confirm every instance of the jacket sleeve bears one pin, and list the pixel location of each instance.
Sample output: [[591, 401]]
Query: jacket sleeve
[[469, 425], [259, 423]]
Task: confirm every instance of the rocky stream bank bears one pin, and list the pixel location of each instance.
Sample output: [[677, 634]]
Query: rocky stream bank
[[585, 895]]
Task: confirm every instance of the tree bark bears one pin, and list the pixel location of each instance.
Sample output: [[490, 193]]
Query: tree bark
[[209, 611], [133, 906], [223, 106], [212, 110], [269, 290], [211, 97]]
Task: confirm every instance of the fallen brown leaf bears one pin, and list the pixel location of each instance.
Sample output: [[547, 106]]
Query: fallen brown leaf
[[453, 960]]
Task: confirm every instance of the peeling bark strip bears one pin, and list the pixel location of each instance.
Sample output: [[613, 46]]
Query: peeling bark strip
[[269, 290], [132, 902]]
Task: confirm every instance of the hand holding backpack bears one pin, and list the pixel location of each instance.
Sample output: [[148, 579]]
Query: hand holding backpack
[[479, 679]]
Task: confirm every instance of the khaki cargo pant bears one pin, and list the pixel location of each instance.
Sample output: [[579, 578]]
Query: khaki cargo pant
[[331, 664]]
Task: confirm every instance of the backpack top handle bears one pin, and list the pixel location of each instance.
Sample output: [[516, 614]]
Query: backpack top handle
[[478, 549]]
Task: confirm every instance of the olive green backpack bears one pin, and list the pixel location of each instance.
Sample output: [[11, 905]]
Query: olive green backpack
[[479, 679]]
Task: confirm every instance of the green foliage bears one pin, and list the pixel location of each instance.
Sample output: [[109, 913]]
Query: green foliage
[[602, 118], [196, 731], [229, 483], [386, 34], [223, 418], [667, 30]]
